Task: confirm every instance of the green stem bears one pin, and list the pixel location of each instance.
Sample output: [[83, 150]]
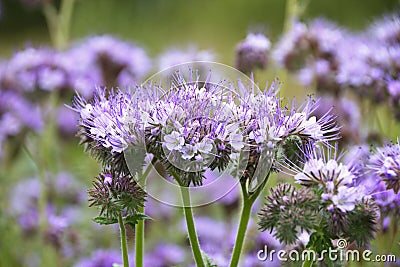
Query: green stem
[[66, 10], [139, 241], [194, 242], [124, 247], [292, 7], [139, 228], [244, 220], [307, 263], [59, 23], [248, 201]]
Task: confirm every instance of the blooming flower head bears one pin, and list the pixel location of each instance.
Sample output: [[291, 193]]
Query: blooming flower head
[[335, 179], [112, 122], [385, 164], [189, 128], [252, 53]]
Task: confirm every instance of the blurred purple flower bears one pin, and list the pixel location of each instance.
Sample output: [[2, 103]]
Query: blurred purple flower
[[23, 112], [36, 68], [67, 121], [308, 42], [101, 258], [252, 53], [347, 115], [106, 61], [165, 255], [387, 29]]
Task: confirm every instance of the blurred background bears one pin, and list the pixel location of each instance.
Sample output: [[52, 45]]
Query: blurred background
[[46, 157]]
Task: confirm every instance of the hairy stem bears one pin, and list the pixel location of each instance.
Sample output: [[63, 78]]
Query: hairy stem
[[139, 241], [244, 220], [194, 242], [124, 247], [248, 201]]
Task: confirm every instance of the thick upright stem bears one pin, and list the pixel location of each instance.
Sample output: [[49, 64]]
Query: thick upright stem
[[124, 246], [59, 22], [194, 242], [248, 201], [244, 220], [139, 241], [292, 10], [139, 227]]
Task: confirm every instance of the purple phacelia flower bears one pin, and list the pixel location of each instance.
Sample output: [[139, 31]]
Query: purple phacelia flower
[[252, 53], [111, 120], [190, 128], [385, 163], [21, 111], [334, 178]]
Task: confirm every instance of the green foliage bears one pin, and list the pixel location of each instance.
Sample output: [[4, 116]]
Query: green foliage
[[105, 220], [289, 151], [132, 220], [363, 223], [288, 210], [120, 195]]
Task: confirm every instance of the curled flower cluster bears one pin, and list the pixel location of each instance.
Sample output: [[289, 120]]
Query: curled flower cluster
[[115, 194], [342, 207]]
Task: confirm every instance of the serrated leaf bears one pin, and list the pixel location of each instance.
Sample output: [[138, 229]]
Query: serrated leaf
[[104, 220], [133, 219]]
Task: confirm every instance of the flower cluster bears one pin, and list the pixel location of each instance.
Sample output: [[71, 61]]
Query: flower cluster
[[190, 129], [342, 207], [115, 195], [288, 211], [311, 51], [385, 164], [334, 61]]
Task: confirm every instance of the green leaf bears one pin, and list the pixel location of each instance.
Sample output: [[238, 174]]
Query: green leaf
[[133, 219], [117, 265], [207, 260], [105, 221]]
